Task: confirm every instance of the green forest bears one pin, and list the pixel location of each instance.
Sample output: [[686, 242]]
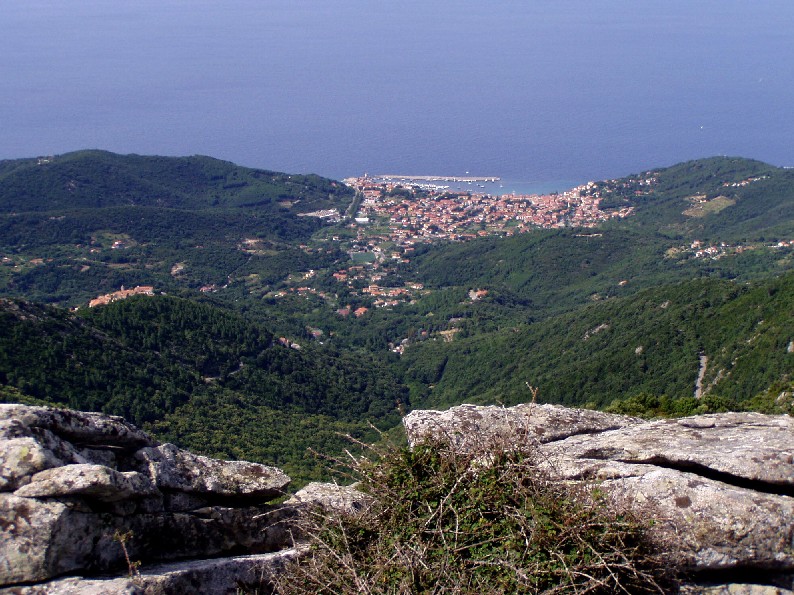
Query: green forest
[[197, 374], [649, 343]]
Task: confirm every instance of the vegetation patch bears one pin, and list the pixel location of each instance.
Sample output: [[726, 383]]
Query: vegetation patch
[[445, 522], [362, 257], [702, 206]]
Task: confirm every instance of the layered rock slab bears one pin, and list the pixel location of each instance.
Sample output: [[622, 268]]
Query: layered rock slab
[[175, 469], [749, 448], [719, 486], [78, 427], [73, 483], [232, 575], [331, 498], [88, 480], [475, 427]]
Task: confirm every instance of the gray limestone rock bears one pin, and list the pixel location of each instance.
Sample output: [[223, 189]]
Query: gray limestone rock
[[735, 589], [20, 458], [102, 456], [174, 469], [194, 577], [33, 439], [90, 481], [750, 446], [39, 540], [182, 502], [473, 427], [331, 497], [720, 488], [25, 450], [79, 427], [710, 525], [67, 494]]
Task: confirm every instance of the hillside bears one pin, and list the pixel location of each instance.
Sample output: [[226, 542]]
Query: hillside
[[99, 179], [190, 223], [655, 342], [82, 224], [559, 271], [691, 288], [717, 199], [716, 218], [76, 256], [214, 381], [202, 376]]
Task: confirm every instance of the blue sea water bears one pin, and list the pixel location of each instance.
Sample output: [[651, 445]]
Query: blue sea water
[[512, 186], [543, 93]]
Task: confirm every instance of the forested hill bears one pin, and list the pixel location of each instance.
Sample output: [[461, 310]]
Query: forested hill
[[716, 199], [211, 379], [99, 179], [732, 340], [562, 270], [82, 224], [718, 217]]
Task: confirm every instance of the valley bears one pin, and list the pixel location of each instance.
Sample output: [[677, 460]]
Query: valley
[[280, 311]]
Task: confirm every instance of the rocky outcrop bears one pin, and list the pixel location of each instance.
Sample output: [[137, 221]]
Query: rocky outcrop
[[90, 480], [331, 498], [473, 427], [721, 486], [233, 575], [174, 469], [81, 492]]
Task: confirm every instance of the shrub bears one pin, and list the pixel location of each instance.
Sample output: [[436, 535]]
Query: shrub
[[446, 522]]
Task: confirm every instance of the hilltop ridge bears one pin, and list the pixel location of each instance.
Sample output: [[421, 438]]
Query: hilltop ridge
[[101, 179]]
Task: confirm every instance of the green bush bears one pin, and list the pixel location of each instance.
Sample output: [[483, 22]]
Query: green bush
[[445, 522]]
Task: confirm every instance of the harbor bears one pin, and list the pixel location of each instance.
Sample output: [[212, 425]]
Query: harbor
[[457, 179]]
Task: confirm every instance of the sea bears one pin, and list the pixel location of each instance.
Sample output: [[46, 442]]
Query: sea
[[544, 94]]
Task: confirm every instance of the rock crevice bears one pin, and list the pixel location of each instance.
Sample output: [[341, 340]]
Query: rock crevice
[[706, 472]]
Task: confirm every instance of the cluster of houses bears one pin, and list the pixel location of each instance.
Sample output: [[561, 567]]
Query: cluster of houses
[[699, 249], [746, 182], [121, 295], [418, 214]]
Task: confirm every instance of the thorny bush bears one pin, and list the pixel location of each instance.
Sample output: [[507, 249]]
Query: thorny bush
[[445, 522]]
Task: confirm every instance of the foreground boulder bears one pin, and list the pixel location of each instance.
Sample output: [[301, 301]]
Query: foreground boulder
[[233, 575], [81, 492], [172, 468], [721, 486]]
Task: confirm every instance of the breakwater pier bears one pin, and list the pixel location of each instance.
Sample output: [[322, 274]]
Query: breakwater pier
[[404, 178]]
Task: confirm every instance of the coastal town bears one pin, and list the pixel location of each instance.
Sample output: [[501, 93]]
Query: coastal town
[[424, 212], [393, 214]]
